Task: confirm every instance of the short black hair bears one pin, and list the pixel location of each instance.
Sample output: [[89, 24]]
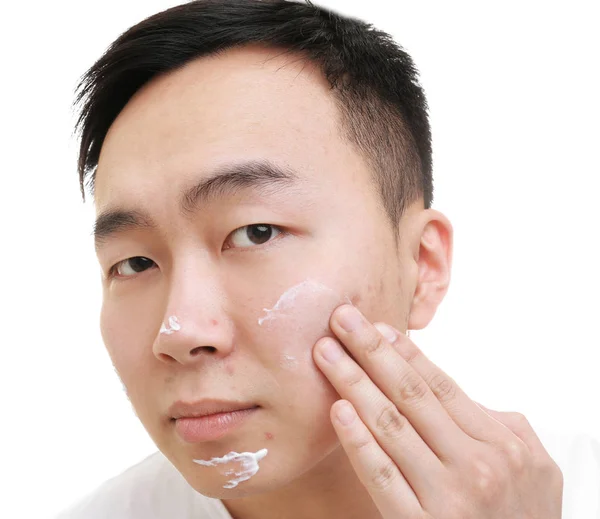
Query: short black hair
[[373, 80]]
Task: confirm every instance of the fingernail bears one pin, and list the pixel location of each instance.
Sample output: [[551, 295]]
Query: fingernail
[[387, 332], [345, 414], [331, 350], [349, 318]]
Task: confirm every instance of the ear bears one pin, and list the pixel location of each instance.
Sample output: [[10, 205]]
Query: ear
[[433, 256]]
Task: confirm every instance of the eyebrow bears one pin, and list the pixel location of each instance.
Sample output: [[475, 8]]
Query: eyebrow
[[225, 181]]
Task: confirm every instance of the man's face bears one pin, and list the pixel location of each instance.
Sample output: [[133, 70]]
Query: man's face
[[325, 240]]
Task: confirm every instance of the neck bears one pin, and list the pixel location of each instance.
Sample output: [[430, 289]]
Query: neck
[[331, 490]]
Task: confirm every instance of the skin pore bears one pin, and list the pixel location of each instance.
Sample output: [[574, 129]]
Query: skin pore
[[329, 227]]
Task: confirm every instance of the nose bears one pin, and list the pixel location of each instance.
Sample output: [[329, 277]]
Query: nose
[[189, 338], [195, 326]]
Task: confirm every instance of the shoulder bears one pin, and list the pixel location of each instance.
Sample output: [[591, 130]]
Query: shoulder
[[151, 489]]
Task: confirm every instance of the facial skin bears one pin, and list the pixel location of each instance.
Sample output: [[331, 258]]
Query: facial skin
[[253, 104]]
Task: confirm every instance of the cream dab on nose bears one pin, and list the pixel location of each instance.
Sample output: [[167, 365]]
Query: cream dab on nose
[[173, 326]]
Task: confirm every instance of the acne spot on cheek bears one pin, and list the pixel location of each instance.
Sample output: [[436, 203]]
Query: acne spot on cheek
[[214, 322], [269, 436], [355, 299]]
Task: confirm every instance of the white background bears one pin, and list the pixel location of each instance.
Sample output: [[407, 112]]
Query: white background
[[513, 90]]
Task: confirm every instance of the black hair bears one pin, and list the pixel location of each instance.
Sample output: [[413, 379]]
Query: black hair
[[373, 80]]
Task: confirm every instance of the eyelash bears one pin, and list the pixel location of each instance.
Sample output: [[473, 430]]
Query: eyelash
[[112, 271]]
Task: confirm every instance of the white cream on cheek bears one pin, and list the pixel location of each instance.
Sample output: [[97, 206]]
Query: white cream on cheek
[[301, 311], [287, 300], [247, 460]]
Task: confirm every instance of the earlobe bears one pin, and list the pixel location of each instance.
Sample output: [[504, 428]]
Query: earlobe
[[434, 263], [425, 306]]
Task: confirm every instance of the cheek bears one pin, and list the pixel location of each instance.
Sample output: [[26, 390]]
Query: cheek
[[109, 329], [294, 323], [120, 334]]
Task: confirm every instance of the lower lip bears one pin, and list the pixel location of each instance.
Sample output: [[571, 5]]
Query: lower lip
[[211, 427]]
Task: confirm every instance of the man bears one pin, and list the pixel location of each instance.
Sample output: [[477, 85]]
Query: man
[[262, 178]]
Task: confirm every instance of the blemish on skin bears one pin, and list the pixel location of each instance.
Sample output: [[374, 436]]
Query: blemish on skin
[[269, 436], [249, 465], [173, 326], [214, 322]]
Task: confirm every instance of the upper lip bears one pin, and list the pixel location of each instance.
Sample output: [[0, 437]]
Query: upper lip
[[181, 409]]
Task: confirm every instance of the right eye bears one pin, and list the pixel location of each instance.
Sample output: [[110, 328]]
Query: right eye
[[136, 264]]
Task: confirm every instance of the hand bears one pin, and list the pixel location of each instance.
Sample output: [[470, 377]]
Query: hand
[[421, 447]]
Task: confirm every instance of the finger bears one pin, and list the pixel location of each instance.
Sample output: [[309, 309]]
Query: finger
[[382, 478], [393, 432], [402, 384], [463, 411]]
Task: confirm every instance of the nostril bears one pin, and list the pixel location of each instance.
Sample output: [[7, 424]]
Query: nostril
[[200, 349]]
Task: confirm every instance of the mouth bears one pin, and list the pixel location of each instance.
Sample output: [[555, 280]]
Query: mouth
[[205, 407], [211, 427]]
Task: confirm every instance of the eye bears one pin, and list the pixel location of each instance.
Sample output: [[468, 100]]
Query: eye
[[136, 264], [252, 235]]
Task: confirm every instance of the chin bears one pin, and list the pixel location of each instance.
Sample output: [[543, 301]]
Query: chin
[[273, 474]]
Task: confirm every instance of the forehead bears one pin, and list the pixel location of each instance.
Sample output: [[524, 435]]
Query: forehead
[[245, 104]]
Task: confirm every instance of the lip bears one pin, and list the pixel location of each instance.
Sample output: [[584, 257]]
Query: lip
[[205, 407], [196, 429]]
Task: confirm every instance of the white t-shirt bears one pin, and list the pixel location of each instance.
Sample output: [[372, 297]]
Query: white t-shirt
[[154, 489]]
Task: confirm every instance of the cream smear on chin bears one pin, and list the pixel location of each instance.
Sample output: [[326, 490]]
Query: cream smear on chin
[[249, 465], [288, 299], [173, 326]]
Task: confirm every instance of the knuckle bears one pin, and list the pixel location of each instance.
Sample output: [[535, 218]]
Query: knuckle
[[409, 352], [383, 477], [390, 422], [518, 456], [443, 388], [520, 421], [375, 346], [412, 388], [485, 480], [354, 377], [520, 417], [360, 443], [549, 470]]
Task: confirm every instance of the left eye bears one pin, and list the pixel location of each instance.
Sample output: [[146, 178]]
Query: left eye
[[251, 235]]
